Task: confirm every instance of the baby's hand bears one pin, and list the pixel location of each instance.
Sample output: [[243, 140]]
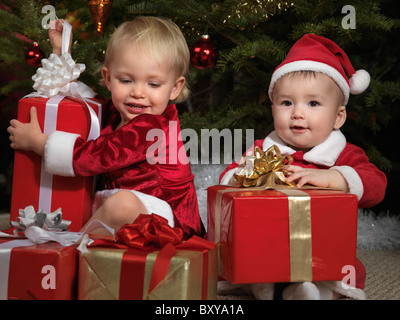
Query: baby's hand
[[317, 177], [27, 136], [55, 36]]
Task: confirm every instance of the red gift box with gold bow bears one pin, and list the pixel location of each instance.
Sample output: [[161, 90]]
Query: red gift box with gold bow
[[282, 235], [149, 260], [270, 231]]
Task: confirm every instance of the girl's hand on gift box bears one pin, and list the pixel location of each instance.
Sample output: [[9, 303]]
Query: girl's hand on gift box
[[55, 36], [27, 136], [318, 177]]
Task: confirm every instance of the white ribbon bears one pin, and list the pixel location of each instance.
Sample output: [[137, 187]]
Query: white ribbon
[[37, 235], [94, 131], [57, 77], [28, 217], [58, 73], [50, 125]]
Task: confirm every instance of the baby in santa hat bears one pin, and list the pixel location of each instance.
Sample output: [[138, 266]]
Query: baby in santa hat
[[309, 92]]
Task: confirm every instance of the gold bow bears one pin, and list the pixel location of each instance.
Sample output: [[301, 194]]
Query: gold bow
[[264, 169]]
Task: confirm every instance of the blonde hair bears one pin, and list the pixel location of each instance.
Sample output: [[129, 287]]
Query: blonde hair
[[161, 37]]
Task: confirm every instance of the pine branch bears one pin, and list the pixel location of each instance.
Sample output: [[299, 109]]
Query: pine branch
[[144, 7], [22, 85], [265, 47], [379, 159]]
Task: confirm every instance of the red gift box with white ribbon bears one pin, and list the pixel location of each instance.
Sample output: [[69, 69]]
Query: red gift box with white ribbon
[[32, 185]]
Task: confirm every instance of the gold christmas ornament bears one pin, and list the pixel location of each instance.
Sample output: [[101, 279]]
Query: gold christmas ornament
[[99, 9]]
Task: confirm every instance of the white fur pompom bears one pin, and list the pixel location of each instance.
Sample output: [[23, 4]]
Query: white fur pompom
[[359, 81]]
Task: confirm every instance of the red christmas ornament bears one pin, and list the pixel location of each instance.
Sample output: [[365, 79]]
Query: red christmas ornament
[[34, 56], [203, 54]]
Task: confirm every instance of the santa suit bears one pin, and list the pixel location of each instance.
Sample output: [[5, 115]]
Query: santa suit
[[123, 161], [364, 179]]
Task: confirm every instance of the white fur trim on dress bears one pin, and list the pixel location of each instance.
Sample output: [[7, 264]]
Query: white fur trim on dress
[[228, 176], [325, 153], [309, 65], [328, 151], [274, 139], [352, 178], [152, 204], [58, 153]]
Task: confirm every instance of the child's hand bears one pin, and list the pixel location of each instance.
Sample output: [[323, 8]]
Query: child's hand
[[27, 136], [317, 177], [55, 36]]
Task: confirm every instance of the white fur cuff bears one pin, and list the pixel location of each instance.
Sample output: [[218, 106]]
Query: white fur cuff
[[58, 153], [353, 180], [228, 176]]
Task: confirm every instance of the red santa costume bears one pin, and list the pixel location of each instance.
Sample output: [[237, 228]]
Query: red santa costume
[[318, 54], [335, 153], [162, 180], [364, 179]]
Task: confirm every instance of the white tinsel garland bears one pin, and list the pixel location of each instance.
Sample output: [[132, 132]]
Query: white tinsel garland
[[378, 232], [375, 232]]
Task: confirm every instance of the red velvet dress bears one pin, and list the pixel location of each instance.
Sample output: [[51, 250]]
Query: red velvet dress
[[124, 158]]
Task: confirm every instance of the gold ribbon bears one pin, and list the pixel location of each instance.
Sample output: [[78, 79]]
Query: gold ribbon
[[263, 169], [266, 170], [299, 203]]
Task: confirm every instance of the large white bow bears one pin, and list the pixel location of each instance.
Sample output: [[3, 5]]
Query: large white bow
[[56, 75], [41, 227]]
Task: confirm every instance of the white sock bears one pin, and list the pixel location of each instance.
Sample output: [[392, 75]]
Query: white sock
[[307, 291]]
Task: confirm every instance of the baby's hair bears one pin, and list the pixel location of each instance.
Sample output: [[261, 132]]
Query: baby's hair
[[161, 37]]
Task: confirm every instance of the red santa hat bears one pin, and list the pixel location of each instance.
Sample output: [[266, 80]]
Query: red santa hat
[[319, 54]]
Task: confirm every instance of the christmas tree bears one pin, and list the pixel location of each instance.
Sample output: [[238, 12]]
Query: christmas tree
[[249, 37]]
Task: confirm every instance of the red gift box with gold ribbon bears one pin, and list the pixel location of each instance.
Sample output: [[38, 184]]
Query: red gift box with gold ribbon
[[284, 235], [32, 185], [148, 261], [37, 272]]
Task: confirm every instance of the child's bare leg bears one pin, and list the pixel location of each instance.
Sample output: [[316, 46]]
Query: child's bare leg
[[120, 208]]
